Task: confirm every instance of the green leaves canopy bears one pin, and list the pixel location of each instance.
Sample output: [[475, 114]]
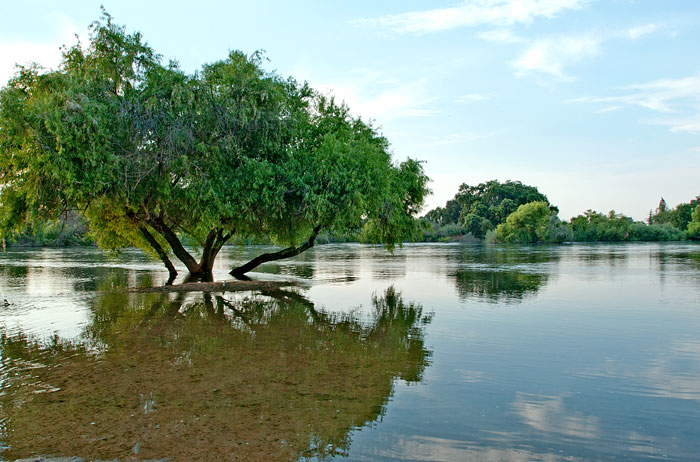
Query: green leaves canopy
[[142, 147], [532, 222], [481, 208]]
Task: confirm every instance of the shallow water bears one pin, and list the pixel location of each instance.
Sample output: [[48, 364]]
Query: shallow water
[[438, 352]]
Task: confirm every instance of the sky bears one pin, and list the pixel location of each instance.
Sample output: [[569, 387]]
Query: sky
[[595, 102]]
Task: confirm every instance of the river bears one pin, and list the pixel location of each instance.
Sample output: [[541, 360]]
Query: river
[[438, 352]]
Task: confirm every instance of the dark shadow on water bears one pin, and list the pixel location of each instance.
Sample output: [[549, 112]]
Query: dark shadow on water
[[209, 377]]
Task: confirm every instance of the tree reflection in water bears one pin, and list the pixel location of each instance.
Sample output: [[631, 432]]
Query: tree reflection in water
[[209, 377], [503, 274]]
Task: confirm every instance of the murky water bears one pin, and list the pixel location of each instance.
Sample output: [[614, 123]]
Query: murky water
[[439, 352]]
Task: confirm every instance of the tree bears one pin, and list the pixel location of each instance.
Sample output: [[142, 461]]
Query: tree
[[693, 231], [481, 208], [678, 217], [150, 155], [593, 226], [532, 222], [662, 206]]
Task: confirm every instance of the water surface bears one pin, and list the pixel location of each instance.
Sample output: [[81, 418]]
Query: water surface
[[438, 352]]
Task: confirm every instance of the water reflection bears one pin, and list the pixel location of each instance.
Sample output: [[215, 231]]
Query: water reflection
[[603, 254], [217, 377], [424, 448], [548, 414], [502, 274], [498, 286], [673, 372]]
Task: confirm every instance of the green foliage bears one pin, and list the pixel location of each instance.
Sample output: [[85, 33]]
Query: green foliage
[[679, 217], [233, 151], [69, 229], [532, 222], [479, 209], [693, 231], [593, 227], [451, 232], [639, 231]]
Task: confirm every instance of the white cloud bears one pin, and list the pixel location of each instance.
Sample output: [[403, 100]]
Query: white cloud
[[677, 98], [392, 100], [47, 54], [500, 36], [690, 124], [474, 97], [640, 31], [474, 13], [551, 55], [609, 109]]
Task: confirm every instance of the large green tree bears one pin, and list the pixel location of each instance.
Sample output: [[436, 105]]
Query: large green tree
[[151, 155], [532, 222], [693, 230], [482, 207]]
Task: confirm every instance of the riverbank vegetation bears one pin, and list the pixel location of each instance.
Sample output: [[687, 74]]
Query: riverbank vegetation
[[535, 221], [493, 206]]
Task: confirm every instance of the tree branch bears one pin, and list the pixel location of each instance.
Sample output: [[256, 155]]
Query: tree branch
[[239, 272]]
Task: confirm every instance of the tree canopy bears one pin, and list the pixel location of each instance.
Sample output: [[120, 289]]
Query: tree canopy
[[150, 155], [694, 225], [532, 222], [679, 217], [481, 208]]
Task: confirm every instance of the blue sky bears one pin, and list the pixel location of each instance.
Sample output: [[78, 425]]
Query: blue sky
[[597, 103]]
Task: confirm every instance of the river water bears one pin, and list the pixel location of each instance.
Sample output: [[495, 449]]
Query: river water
[[439, 352]]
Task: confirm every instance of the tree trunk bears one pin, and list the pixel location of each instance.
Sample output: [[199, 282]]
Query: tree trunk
[[178, 249], [203, 272], [199, 271], [161, 253], [239, 272]]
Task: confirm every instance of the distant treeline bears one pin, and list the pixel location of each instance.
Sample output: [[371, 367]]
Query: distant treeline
[[68, 230], [489, 212], [514, 212]]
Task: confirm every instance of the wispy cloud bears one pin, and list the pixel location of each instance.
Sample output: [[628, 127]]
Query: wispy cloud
[[474, 97], [370, 99], [473, 13], [551, 55], [640, 31], [609, 109], [500, 36], [678, 99]]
